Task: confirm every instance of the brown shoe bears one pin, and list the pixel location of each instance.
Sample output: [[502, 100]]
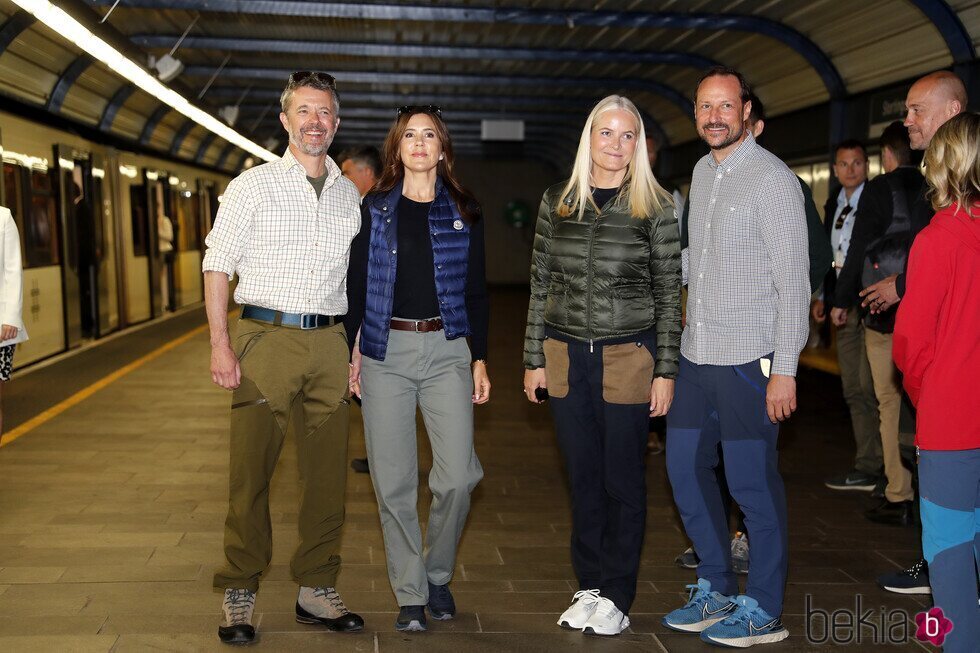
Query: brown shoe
[[323, 605]]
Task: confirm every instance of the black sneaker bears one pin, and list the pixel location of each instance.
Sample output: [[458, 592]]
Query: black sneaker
[[411, 618], [893, 513], [914, 580], [441, 603], [852, 480]]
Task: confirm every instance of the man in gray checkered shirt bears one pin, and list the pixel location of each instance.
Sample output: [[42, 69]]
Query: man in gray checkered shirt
[[285, 228], [747, 321]]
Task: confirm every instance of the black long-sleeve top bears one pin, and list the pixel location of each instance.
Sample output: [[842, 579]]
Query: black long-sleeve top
[[415, 286]]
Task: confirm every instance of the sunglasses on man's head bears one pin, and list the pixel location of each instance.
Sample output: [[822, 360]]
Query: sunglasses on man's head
[[306, 76], [846, 211], [420, 108]]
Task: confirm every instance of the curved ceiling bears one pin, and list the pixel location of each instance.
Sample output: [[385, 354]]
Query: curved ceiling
[[543, 61]]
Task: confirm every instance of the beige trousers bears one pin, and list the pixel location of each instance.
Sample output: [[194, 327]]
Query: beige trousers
[[888, 390]]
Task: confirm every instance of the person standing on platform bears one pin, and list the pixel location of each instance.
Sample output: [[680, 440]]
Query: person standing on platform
[[603, 330], [12, 329], [747, 321], [937, 348], [851, 171], [362, 165], [417, 290], [286, 229]]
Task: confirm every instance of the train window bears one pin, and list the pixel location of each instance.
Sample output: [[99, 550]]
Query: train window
[[41, 228], [137, 203], [12, 191], [188, 226]]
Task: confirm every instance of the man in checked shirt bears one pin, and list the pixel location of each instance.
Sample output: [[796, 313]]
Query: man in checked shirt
[[286, 228], [747, 321]]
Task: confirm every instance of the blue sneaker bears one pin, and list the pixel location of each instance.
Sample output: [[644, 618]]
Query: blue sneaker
[[749, 625], [703, 608]]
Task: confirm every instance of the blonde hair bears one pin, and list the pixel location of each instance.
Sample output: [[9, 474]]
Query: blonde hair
[[646, 196], [953, 164]]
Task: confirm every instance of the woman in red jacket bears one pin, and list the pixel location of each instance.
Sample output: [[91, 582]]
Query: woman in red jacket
[[937, 347]]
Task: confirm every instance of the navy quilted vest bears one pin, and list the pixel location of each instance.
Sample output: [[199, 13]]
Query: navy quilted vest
[[450, 253]]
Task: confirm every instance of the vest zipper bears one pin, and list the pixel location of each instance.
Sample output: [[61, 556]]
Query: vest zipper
[[588, 305]]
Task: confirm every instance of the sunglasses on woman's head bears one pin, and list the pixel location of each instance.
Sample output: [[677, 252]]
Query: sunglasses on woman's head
[[420, 108]]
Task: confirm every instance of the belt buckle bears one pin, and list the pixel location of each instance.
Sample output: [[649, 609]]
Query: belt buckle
[[307, 321]]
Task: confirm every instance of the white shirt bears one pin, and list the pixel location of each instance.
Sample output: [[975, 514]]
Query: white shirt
[[289, 248], [11, 278], [840, 239]]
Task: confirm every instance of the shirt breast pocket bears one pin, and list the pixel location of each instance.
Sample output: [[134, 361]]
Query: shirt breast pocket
[[270, 230]]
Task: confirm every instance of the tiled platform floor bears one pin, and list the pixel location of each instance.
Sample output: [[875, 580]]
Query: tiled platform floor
[[111, 518]]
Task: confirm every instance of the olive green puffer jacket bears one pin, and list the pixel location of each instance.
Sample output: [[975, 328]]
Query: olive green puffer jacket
[[605, 276]]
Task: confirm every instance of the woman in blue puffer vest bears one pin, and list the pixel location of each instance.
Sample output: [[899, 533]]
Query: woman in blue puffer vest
[[416, 290]]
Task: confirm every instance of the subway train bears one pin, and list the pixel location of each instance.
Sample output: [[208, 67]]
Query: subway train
[[109, 238]]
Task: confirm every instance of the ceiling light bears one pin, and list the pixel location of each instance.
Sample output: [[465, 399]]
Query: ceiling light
[[74, 32], [229, 114], [167, 67]]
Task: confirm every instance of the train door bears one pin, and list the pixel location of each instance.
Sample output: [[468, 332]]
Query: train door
[[106, 296], [159, 239], [185, 214]]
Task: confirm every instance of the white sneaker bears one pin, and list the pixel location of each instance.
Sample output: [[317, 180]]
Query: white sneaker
[[607, 619], [583, 605]]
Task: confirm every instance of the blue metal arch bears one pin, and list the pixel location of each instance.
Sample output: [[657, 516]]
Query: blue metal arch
[[406, 50], [60, 91], [11, 29], [202, 148], [181, 134], [669, 93], [950, 27], [153, 121], [118, 99], [224, 155], [815, 56]]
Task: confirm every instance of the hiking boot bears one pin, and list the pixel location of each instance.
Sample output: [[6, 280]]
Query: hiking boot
[[237, 626], [441, 603], [323, 605]]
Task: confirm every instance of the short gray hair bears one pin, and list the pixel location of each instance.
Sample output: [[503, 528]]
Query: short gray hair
[[313, 79]]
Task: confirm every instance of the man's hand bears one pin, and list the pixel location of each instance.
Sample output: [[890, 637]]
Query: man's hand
[[7, 332], [661, 396], [780, 397], [881, 296], [225, 370], [534, 379], [838, 317], [354, 376], [817, 311], [481, 383]]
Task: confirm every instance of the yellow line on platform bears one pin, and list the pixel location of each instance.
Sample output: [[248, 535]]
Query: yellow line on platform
[[85, 393]]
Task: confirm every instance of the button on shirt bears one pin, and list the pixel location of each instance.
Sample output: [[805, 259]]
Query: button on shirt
[[289, 247], [748, 287], [840, 239]]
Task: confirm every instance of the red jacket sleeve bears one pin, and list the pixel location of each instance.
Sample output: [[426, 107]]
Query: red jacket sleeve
[[916, 324]]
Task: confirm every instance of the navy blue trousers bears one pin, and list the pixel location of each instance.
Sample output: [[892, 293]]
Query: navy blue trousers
[[604, 446], [949, 497], [727, 404]]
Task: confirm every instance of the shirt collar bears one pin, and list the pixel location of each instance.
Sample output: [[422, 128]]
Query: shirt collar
[[288, 163], [842, 199], [736, 158]]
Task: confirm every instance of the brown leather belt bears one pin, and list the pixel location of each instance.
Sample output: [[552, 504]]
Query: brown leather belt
[[418, 326]]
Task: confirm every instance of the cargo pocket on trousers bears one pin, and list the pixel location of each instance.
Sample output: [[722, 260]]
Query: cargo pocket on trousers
[[556, 367], [627, 373]]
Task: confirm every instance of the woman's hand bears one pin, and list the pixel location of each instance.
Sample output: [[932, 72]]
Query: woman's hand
[[534, 379], [661, 396], [354, 376], [481, 383]]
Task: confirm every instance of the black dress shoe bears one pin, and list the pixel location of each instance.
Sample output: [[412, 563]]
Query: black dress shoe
[[238, 634], [895, 513], [346, 623], [360, 465]]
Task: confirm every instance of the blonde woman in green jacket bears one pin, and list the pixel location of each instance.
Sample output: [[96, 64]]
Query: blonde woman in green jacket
[[603, 335]]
